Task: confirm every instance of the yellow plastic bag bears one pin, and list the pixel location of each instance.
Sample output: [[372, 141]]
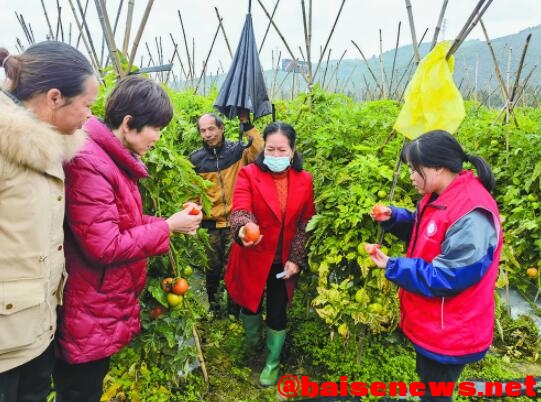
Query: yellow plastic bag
[[431, 101]]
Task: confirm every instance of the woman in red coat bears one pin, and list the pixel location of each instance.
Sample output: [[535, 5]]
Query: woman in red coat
[[276, 194], [108, 237]]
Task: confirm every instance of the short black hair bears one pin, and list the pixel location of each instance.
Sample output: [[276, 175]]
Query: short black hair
[[217, 120], [141, 98]]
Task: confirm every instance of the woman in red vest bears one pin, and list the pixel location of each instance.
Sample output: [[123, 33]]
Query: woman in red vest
[[276, 194], [448, 276]]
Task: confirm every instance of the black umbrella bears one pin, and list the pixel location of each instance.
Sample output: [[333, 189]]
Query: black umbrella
[[244, 86]]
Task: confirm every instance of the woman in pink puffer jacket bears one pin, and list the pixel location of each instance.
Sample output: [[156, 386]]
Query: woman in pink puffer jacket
[[108, 238]]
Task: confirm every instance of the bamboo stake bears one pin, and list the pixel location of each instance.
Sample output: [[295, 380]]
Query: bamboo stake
[[326, 67], [139, 34], [329, 37], [193, 60], [347, 81], [20, 18], [335, 72], [220, 19], [58, 19], [127, 30], [175, 53], [368, 92], [408, 67], [70, 27], [117, 18], [308, 42], [382, 70], [200, 354], [368, 65], [151, 62], [19, 45], [394, 57], [207, 59], [413, 34], [522, 89], [47, 19], [83, 17], [190, 70], [472, 21], [31, 31], [285, 78], [61, 24], [175, 45], [508, 70], [159, 58], [520, 67], [109, 37], [275, 74], [498, 71], [438, 25], [87, 30], [92, 55], [278, 32], [293, 83], [268, 26], [476, 76]]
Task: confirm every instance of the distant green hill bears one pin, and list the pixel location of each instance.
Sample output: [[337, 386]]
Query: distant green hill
[[352, 74]]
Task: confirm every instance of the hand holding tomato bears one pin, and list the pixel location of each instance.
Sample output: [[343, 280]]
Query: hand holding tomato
[[250, 235], [186, 221], [379, 258], [380, 213], [194, 208]]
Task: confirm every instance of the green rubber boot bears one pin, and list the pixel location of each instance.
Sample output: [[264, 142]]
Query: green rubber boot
[[275, 342], [253, 326]]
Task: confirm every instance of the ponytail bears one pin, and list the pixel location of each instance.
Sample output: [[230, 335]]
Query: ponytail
[[483, 171]]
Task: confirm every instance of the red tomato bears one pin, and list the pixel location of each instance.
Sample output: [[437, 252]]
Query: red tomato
[[251, 232], [194, 211], [156, 312], [180, 286], [166, 284], [380, 212], [371, 249]]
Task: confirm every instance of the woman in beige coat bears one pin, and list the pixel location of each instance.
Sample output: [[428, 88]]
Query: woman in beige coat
[[47, 97]]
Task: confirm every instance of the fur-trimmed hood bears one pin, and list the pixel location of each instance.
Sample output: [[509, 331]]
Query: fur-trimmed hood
[[25, 140]]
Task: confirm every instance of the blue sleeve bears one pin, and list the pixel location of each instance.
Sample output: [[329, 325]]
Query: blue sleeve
[[466, 254], [400, 224]]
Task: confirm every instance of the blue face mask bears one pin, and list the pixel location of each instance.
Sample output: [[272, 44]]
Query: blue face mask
[[277, 163]]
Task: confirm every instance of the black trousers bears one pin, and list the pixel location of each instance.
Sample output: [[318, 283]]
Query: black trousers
[[30, 382], [218, 254], [80, 382], [220, 242], [432, 371], [276, 303]]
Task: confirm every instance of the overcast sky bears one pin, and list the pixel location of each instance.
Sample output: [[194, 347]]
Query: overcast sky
[[360, 21]]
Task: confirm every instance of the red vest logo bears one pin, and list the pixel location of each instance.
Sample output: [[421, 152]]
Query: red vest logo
[[431, 228]]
